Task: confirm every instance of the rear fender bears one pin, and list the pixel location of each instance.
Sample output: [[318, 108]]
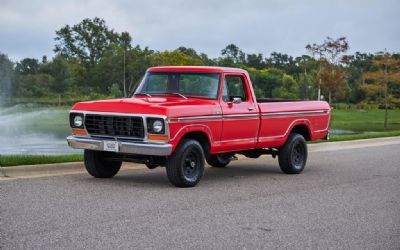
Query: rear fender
[[304, 122]]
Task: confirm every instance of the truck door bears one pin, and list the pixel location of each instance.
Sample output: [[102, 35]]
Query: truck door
[[240, 114]]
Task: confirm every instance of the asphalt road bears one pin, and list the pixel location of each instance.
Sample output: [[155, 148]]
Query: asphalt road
[[346, 198]]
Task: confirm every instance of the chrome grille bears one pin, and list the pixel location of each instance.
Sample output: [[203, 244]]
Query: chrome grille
[[108, 125]]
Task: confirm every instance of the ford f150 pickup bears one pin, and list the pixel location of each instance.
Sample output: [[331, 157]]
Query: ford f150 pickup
[[180, 117]]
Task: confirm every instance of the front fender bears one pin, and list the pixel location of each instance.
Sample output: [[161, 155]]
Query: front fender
[[188, 128]]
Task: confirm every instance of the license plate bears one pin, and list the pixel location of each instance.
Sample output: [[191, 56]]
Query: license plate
[[111, 146]]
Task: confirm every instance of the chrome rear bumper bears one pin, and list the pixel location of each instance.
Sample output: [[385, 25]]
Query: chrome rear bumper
[[124, 147]]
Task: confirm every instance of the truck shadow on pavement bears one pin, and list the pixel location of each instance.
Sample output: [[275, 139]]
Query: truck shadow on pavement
[[158, 177]]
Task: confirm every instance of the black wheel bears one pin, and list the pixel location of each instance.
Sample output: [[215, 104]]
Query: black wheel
[[293, 155], [97, 166], [219, 160], [186, 166]]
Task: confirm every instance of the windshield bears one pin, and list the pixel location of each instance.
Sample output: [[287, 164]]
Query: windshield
[[203, 85]]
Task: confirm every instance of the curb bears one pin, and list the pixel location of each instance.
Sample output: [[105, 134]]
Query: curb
[[41, 169], [32, 171]]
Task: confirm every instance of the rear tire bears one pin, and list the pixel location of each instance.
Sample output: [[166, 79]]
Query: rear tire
[[97, 166], [293, 155], [186, 165], [218, 160]]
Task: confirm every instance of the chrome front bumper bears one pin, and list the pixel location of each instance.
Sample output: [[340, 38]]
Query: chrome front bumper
[[124, 147]]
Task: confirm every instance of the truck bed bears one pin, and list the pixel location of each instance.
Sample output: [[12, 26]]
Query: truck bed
[[278, 118]]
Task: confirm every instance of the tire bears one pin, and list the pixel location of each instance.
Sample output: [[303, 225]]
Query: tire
[[186, 165], [293, 155], [97, 166], [218, 160]]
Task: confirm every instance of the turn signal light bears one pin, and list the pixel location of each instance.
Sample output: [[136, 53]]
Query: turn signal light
[[77, 131], [157, 137]]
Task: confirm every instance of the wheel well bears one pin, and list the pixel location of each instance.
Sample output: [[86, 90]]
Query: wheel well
[[201, 137], [303, 130]]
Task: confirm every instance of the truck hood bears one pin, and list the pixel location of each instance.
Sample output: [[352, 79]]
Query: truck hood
[[168, 106]]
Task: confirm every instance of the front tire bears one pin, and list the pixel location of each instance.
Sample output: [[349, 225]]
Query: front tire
[[186, 165], [97, 165], [293, 155]]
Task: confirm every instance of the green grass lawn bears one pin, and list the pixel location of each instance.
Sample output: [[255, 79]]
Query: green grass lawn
[[15, 160], [364, 120], [368, 135], [363, 124]]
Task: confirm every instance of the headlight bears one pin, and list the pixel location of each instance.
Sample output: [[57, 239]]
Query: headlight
[[158, 126], [76, 120], [155, 126]]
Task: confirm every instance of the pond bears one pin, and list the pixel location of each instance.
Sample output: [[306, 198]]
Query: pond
[[34, 130], [334, 131]]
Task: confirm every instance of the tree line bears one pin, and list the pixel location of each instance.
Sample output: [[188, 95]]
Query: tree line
[[93, 61]]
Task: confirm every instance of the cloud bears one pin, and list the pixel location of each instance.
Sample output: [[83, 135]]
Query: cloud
[[27, 28]]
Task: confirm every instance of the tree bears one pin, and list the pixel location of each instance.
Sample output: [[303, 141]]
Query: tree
[[289, 88], [255, 61], [307, 68], [27, 66], [207, 61], [6, 77], [115, 91], [189, 51], [334, 74], [307, 84], [110, 68], [34, 85], [232, 56], [175, 58], [282, 61], [138, 62], [88, 40], [85, 44], [357, 64], [265, 81], [334, 82], [330, 56], [383, 80], [58, 68]]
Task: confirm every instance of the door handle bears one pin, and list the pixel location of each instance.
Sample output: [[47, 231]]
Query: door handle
[[251, 108]]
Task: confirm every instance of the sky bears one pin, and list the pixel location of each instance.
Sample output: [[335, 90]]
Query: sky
[[27, 27]]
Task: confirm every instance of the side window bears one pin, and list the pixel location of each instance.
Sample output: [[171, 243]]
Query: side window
[[233, 87]]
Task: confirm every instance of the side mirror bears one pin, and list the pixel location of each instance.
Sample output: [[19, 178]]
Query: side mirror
[[237, 100]]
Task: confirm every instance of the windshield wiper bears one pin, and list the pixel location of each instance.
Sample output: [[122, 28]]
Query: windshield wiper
[[180, 95], [143, 94], [173, 93]]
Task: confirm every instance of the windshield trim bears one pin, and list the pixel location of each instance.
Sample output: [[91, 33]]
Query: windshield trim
[[186, 95]]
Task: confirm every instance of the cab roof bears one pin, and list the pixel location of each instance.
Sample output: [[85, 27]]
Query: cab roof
[[203, 69]]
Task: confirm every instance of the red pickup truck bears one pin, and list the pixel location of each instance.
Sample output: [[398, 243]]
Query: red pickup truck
[[178, 117]]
